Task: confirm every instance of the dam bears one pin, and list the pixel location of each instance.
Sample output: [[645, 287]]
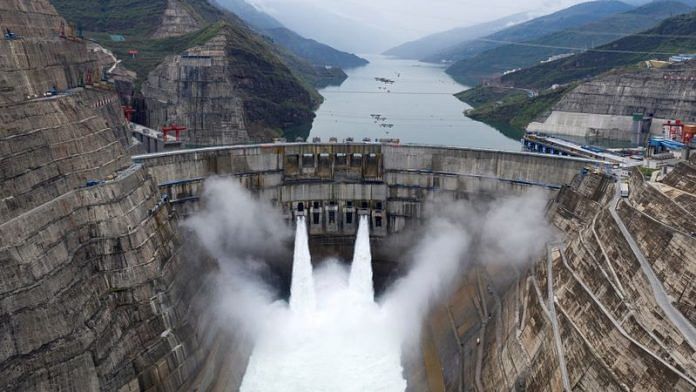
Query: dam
[[331, 188], [550, 320], [131, 223], [332, 182], [167, 272]]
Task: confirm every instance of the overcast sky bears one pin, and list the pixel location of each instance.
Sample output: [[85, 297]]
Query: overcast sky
[[380, 24]]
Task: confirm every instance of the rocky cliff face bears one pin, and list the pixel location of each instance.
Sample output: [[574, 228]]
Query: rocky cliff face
[[667, 93], [177, 20], [606, 103], [243, 87], [94, 294], [193, 89], [587, 315], [224, 93]]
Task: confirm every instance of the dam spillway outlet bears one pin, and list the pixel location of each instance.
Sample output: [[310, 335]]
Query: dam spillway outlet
[[333, 336], [314, 322]]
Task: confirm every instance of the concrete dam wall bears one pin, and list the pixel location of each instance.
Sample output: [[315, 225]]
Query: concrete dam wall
[[101, 288], [333, 181]]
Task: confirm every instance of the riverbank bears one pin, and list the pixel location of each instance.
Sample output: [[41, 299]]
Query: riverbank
[[406, 100], [509, 110]]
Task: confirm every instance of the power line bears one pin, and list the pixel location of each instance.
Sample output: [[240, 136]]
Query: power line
[[385, 93], [630, 34], [397, 118], [598, 50]]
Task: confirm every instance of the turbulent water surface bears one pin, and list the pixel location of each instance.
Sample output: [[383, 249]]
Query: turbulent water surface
[[338, 340], [419, 107]]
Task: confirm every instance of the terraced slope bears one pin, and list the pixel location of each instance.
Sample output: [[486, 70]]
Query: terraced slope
[[586, 315], [93, 293], [272, 99]]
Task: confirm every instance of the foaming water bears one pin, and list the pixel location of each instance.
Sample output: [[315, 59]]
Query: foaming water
[[361, 269], [302, 296], [334, 339]]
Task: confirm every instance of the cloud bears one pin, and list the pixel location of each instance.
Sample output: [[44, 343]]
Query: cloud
[[295, 349]]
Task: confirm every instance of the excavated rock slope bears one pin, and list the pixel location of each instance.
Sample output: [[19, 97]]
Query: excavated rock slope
[[666, 93], [607, 102], [177, 20], [202, 67], [585, 316], [93, 291], [97, 292], [194, 89], [225, 93]]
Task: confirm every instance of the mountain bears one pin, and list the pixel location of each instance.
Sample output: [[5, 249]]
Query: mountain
[[638, 3], [319, 21], [671, 36], [250, 14], [495, 62], [315, 52], [574, 16], [608, 78], [436, 43], [240, 89]]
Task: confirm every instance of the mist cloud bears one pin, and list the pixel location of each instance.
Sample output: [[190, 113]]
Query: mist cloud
[[510, 231], [233, 222], [241, 232]]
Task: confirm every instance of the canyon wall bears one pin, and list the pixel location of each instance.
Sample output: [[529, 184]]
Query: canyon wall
[[605, 105], [177, 20], [229, 90], [95, 293], [608, 308]]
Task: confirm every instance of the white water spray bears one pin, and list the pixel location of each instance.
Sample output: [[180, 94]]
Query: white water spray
[[328, 341], [361, 270], [302, 296]]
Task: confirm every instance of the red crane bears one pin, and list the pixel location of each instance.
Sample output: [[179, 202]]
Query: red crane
[[128, 112], [172, 128]]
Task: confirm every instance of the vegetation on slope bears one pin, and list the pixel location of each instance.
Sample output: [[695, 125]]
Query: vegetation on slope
[[496, 61], [482, 95], [275, 98], [509, 110], [250, 14], [673, 35], [137, 17], [574, 16], [153, 51], [436, 43], [316, 53]]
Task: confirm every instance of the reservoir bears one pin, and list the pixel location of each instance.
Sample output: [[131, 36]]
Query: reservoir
[[403, 99]]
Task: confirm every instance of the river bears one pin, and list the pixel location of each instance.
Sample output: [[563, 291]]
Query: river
[[418, 107]]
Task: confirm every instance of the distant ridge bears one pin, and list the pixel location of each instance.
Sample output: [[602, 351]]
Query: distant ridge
[[435, 43], [574, 16], [315, 52], [494, 62], [673, 35]]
